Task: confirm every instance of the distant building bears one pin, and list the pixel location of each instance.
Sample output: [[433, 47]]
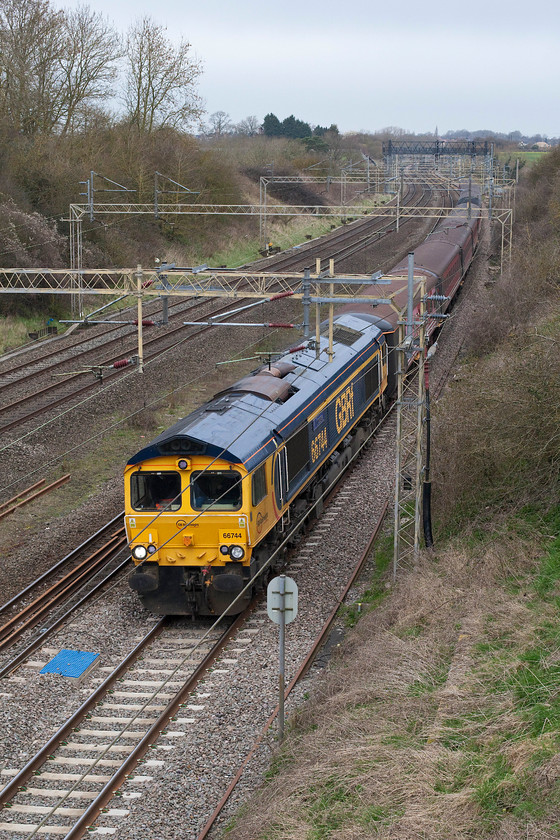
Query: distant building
[[541, 146]]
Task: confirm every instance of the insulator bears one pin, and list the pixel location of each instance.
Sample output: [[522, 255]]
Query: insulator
[[146, 322], [122, 363], [282, 326], [282, 295]]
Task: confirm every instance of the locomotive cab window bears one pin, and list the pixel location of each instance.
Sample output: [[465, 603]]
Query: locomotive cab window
[[155, 490], [259, 485], [218, 489]]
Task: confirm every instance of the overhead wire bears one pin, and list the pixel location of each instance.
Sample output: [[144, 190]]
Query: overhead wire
[[102, 390], [218, 457], [101, 225]]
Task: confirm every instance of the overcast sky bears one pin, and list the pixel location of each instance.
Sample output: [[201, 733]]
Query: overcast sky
[[362, 65]]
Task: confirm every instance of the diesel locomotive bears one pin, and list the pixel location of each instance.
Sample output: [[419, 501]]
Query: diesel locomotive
[[210, 499]]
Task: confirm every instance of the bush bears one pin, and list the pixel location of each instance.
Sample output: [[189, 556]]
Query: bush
[[498, 438], [497, 441]]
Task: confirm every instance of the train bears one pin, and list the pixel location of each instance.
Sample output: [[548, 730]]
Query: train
[[209, 501]]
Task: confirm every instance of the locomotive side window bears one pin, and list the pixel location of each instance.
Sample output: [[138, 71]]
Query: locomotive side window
[[218, 489], [155, 490], [298, 453], [259, 485]]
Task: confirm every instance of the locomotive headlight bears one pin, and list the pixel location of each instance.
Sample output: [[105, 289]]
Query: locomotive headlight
[[224, 549], [152, 549], [139, 552], [236, 552]]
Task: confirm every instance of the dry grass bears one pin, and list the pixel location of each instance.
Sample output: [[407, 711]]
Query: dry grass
[[497, 445], [415, 731]]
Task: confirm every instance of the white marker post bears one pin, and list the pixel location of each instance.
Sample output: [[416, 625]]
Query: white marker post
[[281, 606]]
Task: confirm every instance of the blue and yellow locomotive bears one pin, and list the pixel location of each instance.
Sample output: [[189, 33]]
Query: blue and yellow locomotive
[[211, 498]]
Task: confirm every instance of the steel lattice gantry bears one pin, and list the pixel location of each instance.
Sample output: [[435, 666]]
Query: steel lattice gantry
[[172, 282], [436, 148], [83, 281], [410, 457], [79, 212], [198, 282]]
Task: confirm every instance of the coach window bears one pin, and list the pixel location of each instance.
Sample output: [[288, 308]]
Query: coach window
[[258, 492], [155, 490], [216, 489]]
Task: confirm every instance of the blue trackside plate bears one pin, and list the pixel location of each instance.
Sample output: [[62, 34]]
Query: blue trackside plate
[[70, 663]]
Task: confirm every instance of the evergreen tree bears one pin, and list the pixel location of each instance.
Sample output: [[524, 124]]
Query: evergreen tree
[[272, 126], [295, 129]]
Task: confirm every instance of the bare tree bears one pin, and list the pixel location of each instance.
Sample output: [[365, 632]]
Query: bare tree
[[219, 123], [53, 64], [32, 38], [249, 126], [161, 79], [90, 63]]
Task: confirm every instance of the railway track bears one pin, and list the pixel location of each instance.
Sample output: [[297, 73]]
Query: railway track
[[346, 243], [36, 402], [60, 591], [25, 409], [125, 714], [318, 643], [76, 772], [66, 792], [89, 343]]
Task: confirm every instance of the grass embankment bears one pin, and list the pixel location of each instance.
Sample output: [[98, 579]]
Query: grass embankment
[[284, 235], [440, 715], [525, 157], [15, 330]]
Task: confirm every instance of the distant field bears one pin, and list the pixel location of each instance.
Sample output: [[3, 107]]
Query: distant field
[[529, 157]]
